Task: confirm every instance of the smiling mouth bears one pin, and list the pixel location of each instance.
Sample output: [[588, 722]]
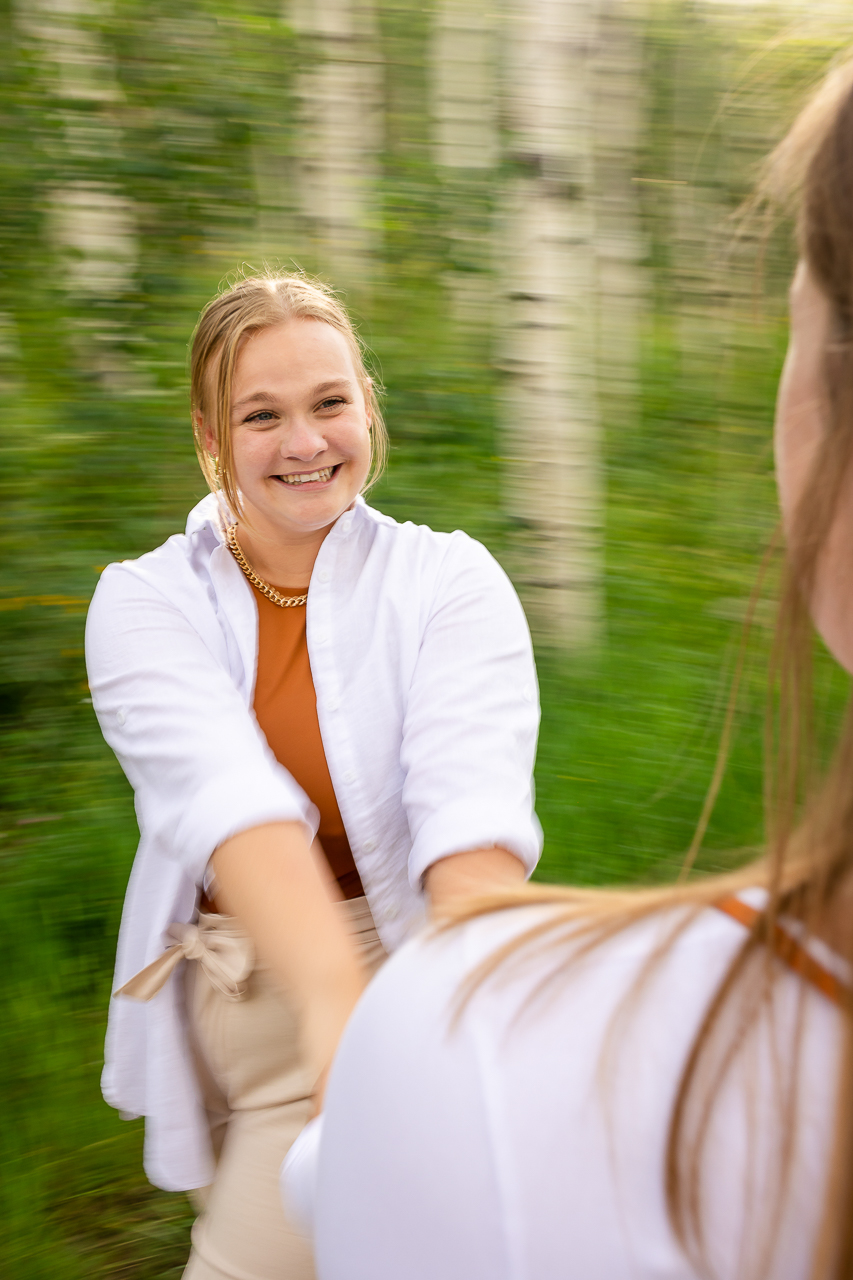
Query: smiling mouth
[[309, 477]]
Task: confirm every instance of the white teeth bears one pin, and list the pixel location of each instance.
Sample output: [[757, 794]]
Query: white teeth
[[307, 477]]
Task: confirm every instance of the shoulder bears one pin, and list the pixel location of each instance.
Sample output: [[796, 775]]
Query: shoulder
[[415, 991], [671, 963], [411, 537], [420, 985], [445, 558]]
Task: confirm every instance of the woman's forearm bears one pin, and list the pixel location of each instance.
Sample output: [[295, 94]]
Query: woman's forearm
[[281, 892], [476, 871]]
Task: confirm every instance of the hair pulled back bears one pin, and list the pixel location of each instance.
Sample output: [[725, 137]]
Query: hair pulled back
[[246, 307]]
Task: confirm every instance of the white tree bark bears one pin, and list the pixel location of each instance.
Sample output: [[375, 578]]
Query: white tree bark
[[98, 228], [466, 149], [548, 251], [464, 106], [92, 226], [618, 98], [340, 134]]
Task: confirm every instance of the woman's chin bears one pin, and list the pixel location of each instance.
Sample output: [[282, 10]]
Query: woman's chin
[[308, 511]]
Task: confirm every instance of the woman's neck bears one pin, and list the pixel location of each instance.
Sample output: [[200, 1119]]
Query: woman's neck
[[281, 559]]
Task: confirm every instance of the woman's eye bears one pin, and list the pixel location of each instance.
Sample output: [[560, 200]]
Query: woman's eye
[[263, 415], [334, 403]]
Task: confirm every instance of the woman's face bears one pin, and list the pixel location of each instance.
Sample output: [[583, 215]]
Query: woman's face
[[801, 421], [299, 427]]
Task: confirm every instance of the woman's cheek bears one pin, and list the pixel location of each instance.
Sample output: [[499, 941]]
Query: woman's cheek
[[801, 401], [798, 430], [252, 457]]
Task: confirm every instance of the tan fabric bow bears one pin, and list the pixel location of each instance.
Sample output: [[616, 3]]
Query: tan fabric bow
[[225, 954]]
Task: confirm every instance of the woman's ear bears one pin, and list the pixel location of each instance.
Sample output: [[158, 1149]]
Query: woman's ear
[[211, 444]]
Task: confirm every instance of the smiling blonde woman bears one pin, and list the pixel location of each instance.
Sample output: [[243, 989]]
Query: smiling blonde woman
[[329, 720]]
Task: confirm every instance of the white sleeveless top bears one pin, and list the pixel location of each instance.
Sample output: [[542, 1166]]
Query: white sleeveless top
[[528, 1142]]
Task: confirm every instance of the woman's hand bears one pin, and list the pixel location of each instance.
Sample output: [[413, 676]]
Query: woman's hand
[[469, 874], [281, 891]]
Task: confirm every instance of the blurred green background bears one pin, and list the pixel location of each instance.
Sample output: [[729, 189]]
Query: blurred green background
[[147, 151]]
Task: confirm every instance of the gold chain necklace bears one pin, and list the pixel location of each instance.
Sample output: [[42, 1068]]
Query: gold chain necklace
[[283, 602]]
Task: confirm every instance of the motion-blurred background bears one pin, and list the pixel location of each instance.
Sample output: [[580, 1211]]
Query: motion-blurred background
[[531, 207]]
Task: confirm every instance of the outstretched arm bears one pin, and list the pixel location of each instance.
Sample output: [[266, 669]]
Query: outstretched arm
[[468, 874], [469, 734], [281, 891]]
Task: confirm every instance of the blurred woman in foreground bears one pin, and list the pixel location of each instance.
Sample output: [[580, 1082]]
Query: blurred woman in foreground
[[643, 1083]]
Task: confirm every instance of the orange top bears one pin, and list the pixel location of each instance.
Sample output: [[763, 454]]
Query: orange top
[[286, 708]]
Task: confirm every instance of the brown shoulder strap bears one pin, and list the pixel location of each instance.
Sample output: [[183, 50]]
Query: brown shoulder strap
[[788, 950]]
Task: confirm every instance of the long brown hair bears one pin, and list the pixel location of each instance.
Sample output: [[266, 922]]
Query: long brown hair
[[252, 303], [808, 859]]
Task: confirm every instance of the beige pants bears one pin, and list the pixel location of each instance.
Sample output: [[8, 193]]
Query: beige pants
[[257, 1093]]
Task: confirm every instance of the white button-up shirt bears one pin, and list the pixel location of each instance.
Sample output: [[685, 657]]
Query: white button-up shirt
[[428, 709]]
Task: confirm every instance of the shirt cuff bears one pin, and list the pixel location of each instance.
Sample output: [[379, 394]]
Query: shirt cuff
[[226, 806], [481, 822]]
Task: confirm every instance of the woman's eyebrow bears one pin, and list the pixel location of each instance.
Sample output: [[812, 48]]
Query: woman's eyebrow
[[257, 397], [268, 397], [336, 384]]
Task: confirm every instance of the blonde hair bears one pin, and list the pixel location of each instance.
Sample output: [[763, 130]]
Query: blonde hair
[[253, 303], [808, 863]]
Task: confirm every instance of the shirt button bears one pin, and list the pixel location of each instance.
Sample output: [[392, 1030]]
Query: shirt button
[[349, 776], [390, 912], [120, 716], [325, 575], [332, 704], [369, 846]]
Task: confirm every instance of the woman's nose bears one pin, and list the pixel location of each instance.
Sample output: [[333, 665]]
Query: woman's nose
[[303, 440]]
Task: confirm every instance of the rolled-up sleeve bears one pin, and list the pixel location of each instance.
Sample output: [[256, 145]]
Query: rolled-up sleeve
[[472, 716], [199, 765]]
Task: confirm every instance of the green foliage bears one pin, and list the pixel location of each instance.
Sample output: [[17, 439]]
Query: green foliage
[[186, 114]]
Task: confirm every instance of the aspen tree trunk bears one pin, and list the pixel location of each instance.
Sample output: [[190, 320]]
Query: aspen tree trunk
[[92, 226], [466, 150], [463, 84], [619, 249], [340, 134], [548, 254]]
